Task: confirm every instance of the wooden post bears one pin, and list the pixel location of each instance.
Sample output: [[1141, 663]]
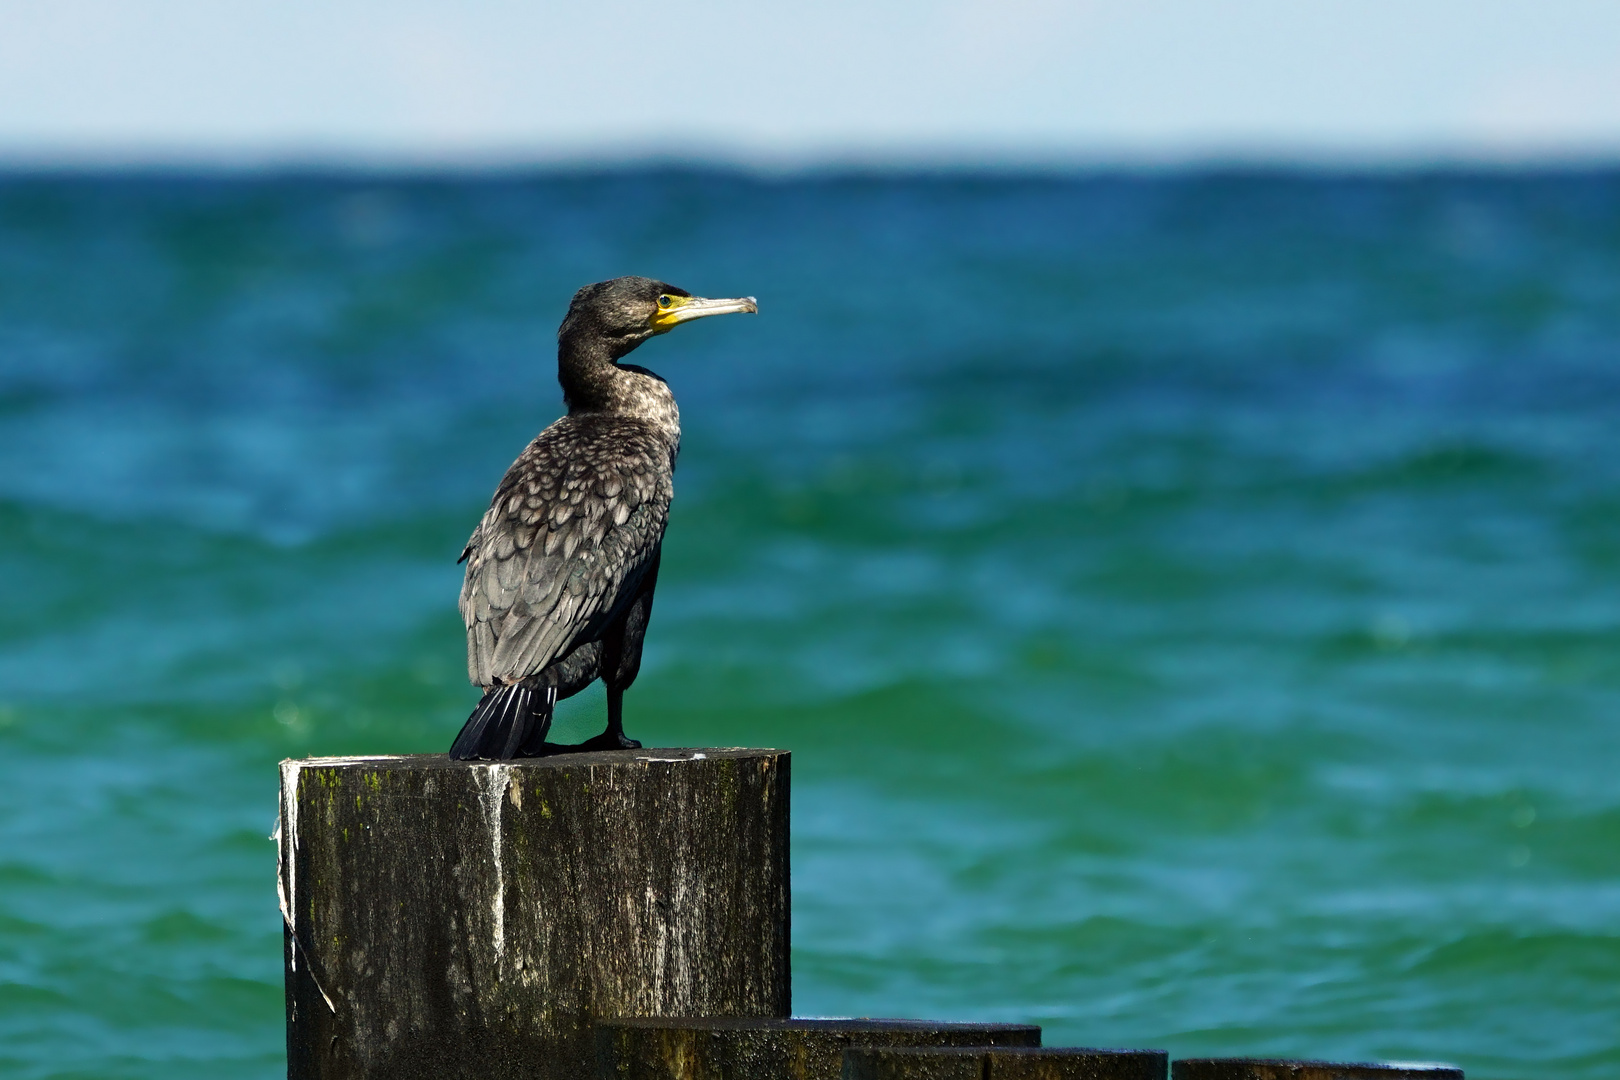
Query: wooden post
[[467, 919], [774, 1049], [1005, 1063], [1280, 1069], [870, 1064]]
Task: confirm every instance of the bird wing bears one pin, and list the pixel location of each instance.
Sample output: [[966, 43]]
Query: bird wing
[[563, 546]]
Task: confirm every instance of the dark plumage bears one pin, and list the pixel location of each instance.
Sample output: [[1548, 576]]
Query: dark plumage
[[561, 570]]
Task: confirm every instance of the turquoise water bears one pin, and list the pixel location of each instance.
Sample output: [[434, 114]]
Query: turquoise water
[[1193, 601]]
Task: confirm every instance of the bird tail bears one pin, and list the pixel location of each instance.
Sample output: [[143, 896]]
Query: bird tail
[[508, 722]]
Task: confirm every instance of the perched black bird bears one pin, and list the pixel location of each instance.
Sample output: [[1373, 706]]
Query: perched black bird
[[561, 570]]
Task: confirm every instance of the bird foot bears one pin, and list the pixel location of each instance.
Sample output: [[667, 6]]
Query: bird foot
[[609, 740]]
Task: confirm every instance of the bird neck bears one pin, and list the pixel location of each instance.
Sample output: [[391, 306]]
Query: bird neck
[[594, 382], [588, 370]]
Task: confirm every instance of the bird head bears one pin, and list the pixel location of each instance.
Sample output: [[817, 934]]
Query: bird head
[[626, 311]]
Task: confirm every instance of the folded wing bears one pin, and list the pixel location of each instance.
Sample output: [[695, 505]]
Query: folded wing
[[573, 527]]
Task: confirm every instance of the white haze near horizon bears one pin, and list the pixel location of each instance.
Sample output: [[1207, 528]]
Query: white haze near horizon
[[493, 81]]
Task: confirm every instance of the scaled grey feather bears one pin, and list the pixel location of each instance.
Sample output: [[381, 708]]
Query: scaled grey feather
[[573, 526]]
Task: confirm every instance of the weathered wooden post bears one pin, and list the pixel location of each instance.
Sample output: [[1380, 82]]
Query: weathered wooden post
[[1004, 1063], [1283, 1069], [463, 919], [719, 1048]]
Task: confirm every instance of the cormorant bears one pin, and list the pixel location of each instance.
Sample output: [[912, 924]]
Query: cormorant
[[561, 570]]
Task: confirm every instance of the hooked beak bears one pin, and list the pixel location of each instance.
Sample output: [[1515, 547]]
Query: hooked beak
[[687, 308]]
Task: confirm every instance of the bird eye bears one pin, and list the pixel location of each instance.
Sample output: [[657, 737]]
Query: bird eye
[[666, 302]]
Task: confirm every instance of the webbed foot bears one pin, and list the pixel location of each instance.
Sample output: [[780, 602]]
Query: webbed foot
[[610, 740]]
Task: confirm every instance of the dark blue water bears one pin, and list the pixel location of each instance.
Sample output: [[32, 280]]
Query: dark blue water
[[1193, 601]]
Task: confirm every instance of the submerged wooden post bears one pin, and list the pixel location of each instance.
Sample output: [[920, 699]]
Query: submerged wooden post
[[1282, 1069], [460, 919], [714, 1048], [1004, 1063]]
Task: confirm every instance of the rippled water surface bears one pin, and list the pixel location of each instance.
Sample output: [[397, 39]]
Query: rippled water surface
[[1193, 602]]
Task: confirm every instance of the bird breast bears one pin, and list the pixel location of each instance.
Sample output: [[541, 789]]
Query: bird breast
[[641, 394]]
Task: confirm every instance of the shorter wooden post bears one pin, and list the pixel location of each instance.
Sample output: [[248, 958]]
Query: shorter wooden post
[[774, 1049], [1281, 1069], [913, 1064], [451, 919], [1005, 1063]]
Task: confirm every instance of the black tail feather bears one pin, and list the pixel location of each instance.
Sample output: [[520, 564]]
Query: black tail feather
[[543, 705], [508, 722]]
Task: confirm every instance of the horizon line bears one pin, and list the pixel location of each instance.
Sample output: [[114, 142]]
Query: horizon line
[[947, 162]]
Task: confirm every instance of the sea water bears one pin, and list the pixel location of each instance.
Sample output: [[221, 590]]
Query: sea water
[[1192, 600]]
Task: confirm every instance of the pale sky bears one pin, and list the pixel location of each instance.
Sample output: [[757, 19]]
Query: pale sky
[[491, 81]]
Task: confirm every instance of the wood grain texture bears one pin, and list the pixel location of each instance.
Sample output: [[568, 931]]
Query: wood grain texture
[[774, 1049], [876, 1064], [1005, 1063], [462, 919]]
